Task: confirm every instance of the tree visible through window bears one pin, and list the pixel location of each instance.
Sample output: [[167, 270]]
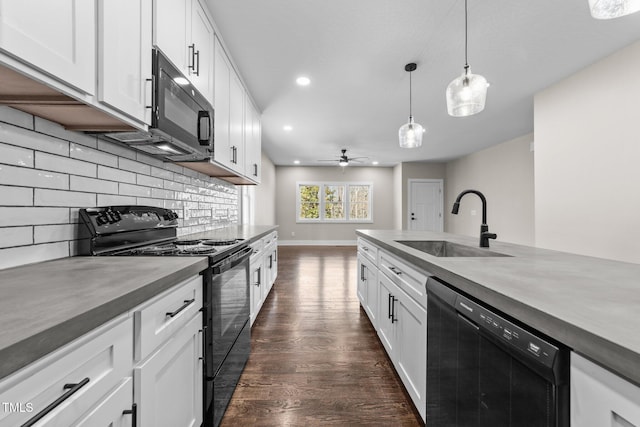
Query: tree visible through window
[[334, 202]]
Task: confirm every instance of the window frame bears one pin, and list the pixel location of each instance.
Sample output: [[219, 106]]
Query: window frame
[[346, 207]]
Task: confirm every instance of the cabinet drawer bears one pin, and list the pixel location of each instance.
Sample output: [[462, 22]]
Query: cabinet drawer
[[96, 362], [258, 247], [368, 249], [410, 279], [157, 320], [110, 412], [270, 238]]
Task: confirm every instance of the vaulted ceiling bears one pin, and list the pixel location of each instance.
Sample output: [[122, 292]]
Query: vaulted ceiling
[[354, 52]]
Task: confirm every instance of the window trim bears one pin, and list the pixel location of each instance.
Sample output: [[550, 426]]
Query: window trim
[[321, 207]]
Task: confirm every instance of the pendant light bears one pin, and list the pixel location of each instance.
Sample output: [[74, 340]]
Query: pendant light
[[609, 9], [410, 134], [466, 95]]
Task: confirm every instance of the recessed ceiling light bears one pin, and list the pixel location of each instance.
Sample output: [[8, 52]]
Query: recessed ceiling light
[[296, 162], [288, 128], [303, 81], [374, 163]]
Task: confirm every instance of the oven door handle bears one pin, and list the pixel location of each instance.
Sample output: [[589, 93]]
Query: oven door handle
[[232, 260]]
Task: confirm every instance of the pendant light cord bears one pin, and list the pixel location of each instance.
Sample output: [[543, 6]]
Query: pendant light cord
[[410, 114], [466, 39]]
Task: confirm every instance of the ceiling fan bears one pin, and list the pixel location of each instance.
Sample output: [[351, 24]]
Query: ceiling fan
[[344, 160]]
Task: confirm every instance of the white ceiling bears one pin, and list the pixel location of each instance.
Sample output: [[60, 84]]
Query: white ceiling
[[355, 51]]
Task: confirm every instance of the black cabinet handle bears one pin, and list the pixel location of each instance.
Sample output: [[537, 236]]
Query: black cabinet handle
[[389, 306], [394, 319], [395, 270], [134, 414], [197, 63], [259, 281], [72, 388], [186, 304], [192, 62], [362, 268], [255, 169]]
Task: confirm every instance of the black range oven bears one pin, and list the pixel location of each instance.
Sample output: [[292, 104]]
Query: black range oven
[[151, 231]]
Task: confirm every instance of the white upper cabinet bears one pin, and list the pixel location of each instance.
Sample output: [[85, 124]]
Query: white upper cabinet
[[124, 56], [182, 30], [252, 142], [201, 70], [221, 148], [55, 36], [236, 123]]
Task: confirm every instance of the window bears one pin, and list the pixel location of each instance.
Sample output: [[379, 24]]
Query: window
[[334, 202]]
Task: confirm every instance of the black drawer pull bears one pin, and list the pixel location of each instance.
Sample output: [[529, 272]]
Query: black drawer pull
[[395, 270], [186, 304], [134, 414], [72, 388]]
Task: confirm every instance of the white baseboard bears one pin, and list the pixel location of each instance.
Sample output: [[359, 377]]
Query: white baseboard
[[316, 242]]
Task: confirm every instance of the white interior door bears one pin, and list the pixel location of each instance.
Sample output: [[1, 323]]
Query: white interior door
[[425, 205]]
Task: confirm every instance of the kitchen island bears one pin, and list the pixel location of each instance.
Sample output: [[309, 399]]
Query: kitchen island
[[589, 304]]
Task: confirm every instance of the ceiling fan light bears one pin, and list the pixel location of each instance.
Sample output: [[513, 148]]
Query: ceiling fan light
[[609, 9], [343, 162], [410, 134], [466, 95]]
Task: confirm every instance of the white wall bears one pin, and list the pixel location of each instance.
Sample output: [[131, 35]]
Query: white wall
[[587, 160], [288, 176], [47, 174], [504, 174]]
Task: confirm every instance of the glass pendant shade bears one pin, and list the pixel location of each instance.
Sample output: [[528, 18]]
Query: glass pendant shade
[[466, 95], [410, 134], [609, 9]]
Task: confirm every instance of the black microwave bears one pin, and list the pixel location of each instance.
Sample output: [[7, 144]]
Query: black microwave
[[182, 120]]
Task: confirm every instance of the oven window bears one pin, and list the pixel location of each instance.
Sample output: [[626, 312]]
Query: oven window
[[233, 300]]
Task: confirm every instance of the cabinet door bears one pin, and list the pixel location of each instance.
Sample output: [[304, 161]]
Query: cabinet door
[[362, 282], [124, 66], [56, 36], [170, 32], [372, 291], [236, 123], [222, 152], [168, 385], [411, 348], [600, 398], [202, 69], [387, 296], [115, 410], [252, 142], [257, 286]]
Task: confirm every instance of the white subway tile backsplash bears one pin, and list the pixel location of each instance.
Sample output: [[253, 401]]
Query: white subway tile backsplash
[[88, 154], [46, 175], [16, 196], [149, 202], [27, 177], [54, 129], [161, 173], [149, 181], [16, 236], [12, 155], [43, 197], [113, 200], [134, 166], [134, 190], [20, 255], [113, 174], [28, 139], [16, 117], [116, 148], [13, 216], [65, 164], [54, 233], [93, 185]]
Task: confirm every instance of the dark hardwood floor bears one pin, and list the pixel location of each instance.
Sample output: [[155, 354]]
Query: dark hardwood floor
[[316, 359]]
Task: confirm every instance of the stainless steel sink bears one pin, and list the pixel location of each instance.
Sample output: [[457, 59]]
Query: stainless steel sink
[[442, 248]]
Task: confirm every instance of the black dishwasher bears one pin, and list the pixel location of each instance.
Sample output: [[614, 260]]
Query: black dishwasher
[[484, 370]]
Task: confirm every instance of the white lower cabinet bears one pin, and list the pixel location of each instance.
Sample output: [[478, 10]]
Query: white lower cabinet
[[600, 398], [393, 294], [263, 271], [368, 287], [257, 291], [116, 410], [78, 376], [168, 384]]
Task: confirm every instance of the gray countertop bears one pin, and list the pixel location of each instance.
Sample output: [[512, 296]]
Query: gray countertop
[[249, 232], [590, 304], [46, 305]]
